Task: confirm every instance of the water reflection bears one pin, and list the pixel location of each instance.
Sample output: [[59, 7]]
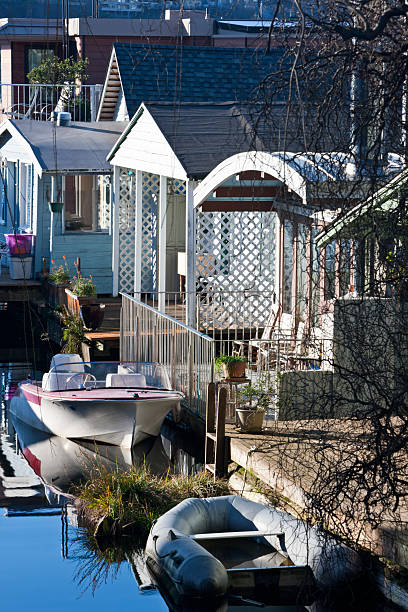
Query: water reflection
[[102, 572], [61, 463]]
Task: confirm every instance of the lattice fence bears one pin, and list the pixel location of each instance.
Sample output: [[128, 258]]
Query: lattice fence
[[235, 268]]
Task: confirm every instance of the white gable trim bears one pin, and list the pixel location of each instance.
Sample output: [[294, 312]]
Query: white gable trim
[[9, 126], [144, 147]]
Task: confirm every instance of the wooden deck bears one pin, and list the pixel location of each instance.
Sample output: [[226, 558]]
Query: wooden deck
[[289, 457], [13, 290]]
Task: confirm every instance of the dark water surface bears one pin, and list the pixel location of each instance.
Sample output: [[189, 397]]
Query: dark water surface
[[47, 562]]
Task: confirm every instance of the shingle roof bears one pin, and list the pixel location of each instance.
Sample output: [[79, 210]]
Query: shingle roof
[[204, 134], [190, 74], [79, 146]]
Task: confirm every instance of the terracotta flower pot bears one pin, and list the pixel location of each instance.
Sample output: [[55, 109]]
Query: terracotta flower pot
[[234, 370]]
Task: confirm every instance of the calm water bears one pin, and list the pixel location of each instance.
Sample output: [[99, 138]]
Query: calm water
[[47, 562]]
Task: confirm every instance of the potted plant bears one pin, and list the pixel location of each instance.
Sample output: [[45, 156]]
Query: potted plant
[[83, 291], [254, 399], [58, 279], [232, 366]]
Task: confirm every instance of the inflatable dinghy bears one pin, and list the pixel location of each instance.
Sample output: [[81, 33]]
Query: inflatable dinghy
[[192, 553]]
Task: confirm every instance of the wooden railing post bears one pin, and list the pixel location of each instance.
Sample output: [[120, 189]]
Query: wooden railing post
[[209, 421], [220, 432]]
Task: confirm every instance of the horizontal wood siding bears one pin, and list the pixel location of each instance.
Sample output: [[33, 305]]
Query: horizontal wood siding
[[145, 148], [95, 251]]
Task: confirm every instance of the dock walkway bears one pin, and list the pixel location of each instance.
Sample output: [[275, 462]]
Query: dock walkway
[[299, 461]]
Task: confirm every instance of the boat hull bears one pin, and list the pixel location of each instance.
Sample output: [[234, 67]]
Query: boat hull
[[118, 418]]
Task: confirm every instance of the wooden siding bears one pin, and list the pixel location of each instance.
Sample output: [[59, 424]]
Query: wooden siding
[[145, 148], [95, 251]]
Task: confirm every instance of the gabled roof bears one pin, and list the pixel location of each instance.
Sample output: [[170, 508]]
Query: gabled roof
[[78, 147], [361, 217], [200, 135], [164, 73]]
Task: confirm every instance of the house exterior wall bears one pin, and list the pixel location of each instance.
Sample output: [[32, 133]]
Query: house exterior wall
[[95, 252]]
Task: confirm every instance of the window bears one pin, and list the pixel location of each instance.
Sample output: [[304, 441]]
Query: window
[[36, 56], [25, 196], [87, 199]]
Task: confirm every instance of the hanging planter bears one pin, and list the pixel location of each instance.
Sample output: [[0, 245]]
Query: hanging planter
[[55, 207]]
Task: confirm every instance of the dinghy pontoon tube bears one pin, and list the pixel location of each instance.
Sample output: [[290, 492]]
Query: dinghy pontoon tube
[[173, 556]]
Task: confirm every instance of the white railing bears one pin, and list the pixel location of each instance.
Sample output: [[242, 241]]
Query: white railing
[[237, 314], [149, 335], [41, 101]]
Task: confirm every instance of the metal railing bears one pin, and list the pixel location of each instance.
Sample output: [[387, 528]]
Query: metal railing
[[149, 335], [41, 101]]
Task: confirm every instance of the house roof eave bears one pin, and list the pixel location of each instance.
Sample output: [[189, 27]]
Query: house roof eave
[[382, 201], [15, 132]]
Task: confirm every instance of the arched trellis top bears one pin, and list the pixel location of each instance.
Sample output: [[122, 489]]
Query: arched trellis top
[[295, 170]]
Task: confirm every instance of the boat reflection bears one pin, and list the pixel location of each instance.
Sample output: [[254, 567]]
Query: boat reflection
[[62, 463]]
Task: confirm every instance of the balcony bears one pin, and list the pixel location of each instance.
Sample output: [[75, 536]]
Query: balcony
[[40, 102]]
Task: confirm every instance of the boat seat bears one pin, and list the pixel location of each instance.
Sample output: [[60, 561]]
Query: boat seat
[[58, 381], [125, 380], [67, 362]]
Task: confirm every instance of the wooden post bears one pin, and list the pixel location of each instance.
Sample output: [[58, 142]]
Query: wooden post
[[209, 421], [220, 433]]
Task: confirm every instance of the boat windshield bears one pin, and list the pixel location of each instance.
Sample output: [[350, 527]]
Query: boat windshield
[[105, 374]]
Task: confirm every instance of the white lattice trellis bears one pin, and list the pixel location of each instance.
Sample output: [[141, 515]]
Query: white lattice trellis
[[176, 187], [127, 191], [235, 264], [150, 196]]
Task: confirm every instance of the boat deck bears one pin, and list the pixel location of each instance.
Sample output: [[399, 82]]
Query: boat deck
[[34, 393]]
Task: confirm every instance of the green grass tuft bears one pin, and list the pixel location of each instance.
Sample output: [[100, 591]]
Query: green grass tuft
[[132, 500]]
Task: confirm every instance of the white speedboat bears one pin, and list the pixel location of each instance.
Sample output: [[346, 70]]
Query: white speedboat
[[119, 403]]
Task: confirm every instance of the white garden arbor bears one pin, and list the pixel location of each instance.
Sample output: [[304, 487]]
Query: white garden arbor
[[254, 214]]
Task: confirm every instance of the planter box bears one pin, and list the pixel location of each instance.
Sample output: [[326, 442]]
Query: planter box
[[74, 302], [56, 294], [20, 244], [20, 267]]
